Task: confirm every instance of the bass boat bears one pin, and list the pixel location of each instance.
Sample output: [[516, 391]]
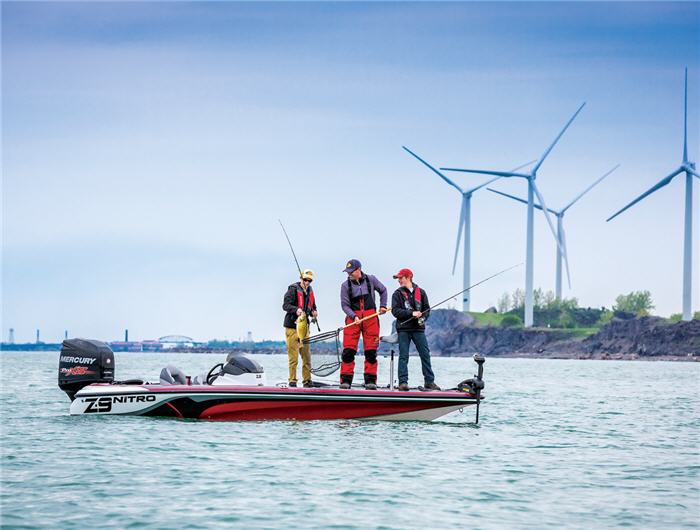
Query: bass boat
[[238, 390]]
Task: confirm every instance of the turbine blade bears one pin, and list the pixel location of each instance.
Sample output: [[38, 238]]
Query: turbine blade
[[459, 235], [693, 172], [565, 254], [482, 185], [513, 197], [663, 182], [487, 172], [524, 165], [685, 119], [439, 174], [539, 162], [589, 188], [496, 178], [521, 200], [546, 213]]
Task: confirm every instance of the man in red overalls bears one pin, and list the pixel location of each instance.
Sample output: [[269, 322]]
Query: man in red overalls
[[357, 301]]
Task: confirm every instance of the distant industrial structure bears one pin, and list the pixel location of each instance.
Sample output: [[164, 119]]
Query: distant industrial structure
[[687, 167], [167, 342]]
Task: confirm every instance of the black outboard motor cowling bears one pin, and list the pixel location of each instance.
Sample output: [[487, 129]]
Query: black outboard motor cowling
[[237, 364], [83, 362]]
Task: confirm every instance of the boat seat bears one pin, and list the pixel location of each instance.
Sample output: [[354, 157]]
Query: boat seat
[[390, 339], [172, 375], [393, 338]]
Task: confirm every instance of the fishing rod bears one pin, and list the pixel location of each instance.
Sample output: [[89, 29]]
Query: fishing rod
[[334, 333], [462, 291], [296, 261]]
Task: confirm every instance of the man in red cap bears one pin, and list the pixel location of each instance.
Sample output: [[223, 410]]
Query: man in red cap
[[410, 306], [358, 301]]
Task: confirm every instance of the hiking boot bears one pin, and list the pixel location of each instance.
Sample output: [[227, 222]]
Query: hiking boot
[[345, 381], [403, 387], [370, 382], [308, 384], [431, 386], [292, 383]]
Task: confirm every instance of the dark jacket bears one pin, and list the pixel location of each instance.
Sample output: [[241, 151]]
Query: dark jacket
[[403, 304], [290, 304], [351, 291]]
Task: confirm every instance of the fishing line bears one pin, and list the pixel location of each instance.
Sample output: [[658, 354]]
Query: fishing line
[[462, 291], [297, 262]]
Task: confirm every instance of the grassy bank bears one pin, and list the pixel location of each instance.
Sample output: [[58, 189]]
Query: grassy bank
[[496, 320]]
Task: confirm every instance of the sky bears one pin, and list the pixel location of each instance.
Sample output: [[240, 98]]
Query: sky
[[149, 149]]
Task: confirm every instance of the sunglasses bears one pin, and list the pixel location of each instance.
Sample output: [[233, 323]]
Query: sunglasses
[[306, 280]]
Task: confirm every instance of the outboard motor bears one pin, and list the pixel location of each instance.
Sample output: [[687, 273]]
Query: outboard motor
[[238, 370], [83, 362]]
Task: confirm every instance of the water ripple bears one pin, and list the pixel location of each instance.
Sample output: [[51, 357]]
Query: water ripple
[[590, 446]]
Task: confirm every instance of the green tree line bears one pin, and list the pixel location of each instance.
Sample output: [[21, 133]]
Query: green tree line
[[566, 312]]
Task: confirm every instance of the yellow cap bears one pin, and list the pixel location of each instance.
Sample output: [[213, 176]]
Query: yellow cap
[[307, 274]]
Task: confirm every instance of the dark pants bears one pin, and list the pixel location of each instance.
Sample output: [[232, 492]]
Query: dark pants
[[418, 338]]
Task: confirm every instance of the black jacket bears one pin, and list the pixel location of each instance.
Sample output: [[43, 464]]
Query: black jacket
[[290, 304], [403, 309]]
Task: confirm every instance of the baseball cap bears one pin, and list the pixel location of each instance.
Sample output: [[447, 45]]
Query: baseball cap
[[408, 273], [352, 265]]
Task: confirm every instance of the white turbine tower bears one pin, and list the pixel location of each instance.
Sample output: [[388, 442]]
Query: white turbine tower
[[688, 168], [561, 234], [464, 222], [532, 190]]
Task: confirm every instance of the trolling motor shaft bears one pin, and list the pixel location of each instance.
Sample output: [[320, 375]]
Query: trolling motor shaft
[[479, 383], [476, 384]]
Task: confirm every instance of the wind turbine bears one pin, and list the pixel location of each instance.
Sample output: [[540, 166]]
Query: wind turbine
[[532, 190], [690, 171], [561, 234], [464, 222]]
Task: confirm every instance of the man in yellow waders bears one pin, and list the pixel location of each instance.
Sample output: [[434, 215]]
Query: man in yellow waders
[[299, 300]]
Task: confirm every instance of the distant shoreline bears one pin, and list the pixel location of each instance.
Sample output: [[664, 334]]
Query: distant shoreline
[[382, 352], [452, 333]]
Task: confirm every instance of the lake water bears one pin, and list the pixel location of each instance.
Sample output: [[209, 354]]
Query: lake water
[[577, 444]]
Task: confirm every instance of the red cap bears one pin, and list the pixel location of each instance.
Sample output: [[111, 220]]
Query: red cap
[[408, 273]]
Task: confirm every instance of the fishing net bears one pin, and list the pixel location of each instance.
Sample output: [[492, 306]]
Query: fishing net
[[325, 349], [325, 354]]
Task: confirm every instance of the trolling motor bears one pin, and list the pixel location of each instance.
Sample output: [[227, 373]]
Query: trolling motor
[[475, 385]]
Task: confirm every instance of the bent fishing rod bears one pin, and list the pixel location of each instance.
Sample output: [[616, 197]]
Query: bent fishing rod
[[297, 262], [462, 291], [334, 333]]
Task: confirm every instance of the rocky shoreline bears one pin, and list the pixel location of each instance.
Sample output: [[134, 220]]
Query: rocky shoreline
[[452, 333]]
